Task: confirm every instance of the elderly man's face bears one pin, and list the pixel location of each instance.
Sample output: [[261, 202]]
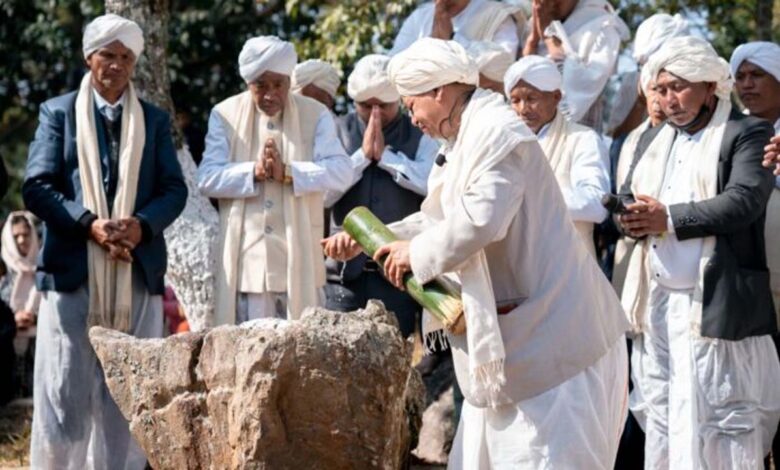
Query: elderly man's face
[[758, 90], [269, 91], [387, 111], [111, 66], [680, 99], [316, 93], [654, 109], [428, 112], [535, 107]]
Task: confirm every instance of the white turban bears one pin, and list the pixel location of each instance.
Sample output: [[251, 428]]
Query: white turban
[[625, 99], [539, 72], [762, 54], [431, 63], [318, 73], [692, 59], [655, 31], [369, 80], [106, 29], [492, 60], [266, 54]]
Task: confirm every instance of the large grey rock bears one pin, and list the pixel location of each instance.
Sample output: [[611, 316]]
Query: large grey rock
[[330, 391], [192, 251]]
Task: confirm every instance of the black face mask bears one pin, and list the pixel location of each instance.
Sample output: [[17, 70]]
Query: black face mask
[[704, 113]]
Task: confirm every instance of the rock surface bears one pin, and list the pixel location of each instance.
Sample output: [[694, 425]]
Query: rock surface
[[330, 391], [192, 241]]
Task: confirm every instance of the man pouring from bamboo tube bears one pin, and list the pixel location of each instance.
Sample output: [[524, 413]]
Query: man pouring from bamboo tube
[[495, 219]]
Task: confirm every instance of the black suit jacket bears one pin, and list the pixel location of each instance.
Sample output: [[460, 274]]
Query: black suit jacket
[[737, 300], [52, 191]]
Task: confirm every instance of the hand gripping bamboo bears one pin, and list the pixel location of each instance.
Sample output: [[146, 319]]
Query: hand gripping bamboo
[[441, 297]]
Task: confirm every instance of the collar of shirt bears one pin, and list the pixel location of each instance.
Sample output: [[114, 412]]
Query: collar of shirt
[[102, 104], [543, 131]]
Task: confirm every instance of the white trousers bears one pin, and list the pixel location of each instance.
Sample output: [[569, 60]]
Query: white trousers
[[251, 306], [575, 425], [703, 403], [76, 424]]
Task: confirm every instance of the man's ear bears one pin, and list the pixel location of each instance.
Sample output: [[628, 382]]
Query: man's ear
[[558, 96]]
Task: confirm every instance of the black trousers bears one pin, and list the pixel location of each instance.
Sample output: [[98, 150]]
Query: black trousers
[[354, 294]]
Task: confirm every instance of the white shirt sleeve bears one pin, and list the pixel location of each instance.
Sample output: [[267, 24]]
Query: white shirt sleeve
[[589, 180], [330, 168], [586, 72], [411, 174], [412, 29], [505, 36], [359, 163], [218, 177]]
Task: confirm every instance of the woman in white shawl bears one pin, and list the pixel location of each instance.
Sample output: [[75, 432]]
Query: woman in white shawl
[[19, 251]]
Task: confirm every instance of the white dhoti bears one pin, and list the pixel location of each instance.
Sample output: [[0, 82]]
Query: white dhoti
[[76, 424], [576, 424], [702, 402]]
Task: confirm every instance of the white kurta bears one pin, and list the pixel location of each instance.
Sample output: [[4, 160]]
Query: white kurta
[[588, 178], [574, 425], [420, 23], [703, 402], [591, 37]]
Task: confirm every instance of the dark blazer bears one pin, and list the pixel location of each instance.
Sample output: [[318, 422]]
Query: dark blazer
[[52, 191], [737, 300]]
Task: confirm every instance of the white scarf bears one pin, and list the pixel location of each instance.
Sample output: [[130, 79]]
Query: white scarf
[[24, 295], [110, 282], [489, 132], [647, 179], [559, 149], [304, 255]]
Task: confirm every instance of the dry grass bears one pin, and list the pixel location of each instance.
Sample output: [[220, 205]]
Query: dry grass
[[15, 419]]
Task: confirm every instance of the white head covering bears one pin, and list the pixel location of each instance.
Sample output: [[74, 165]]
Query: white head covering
[[431, 63], [492, 60], [653, 32], [266, 54], [106, 29], [625, 99], [369, 80], [760, 53], [318, 73], [539, 72], [692, 59]]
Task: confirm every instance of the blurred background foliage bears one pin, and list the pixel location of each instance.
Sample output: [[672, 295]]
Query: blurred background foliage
[[40, 47]]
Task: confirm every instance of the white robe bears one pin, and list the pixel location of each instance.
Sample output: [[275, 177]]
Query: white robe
[[420, 22], [591, 37]]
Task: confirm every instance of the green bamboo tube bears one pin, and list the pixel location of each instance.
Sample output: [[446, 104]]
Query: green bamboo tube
[[439, 296]]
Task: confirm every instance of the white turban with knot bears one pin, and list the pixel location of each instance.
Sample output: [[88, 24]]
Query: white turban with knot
[[655, 31], [266, 54], [760, 53], [492, 60], [539, 72], [369, 80], [318, 73], [106, 29], [692, 59], [429, 64]]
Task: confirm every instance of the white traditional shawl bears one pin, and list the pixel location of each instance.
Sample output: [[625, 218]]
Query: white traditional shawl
[[24, 295], [559, 148], [489, 132], [305, 266], [647, 179], [110, 282]]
